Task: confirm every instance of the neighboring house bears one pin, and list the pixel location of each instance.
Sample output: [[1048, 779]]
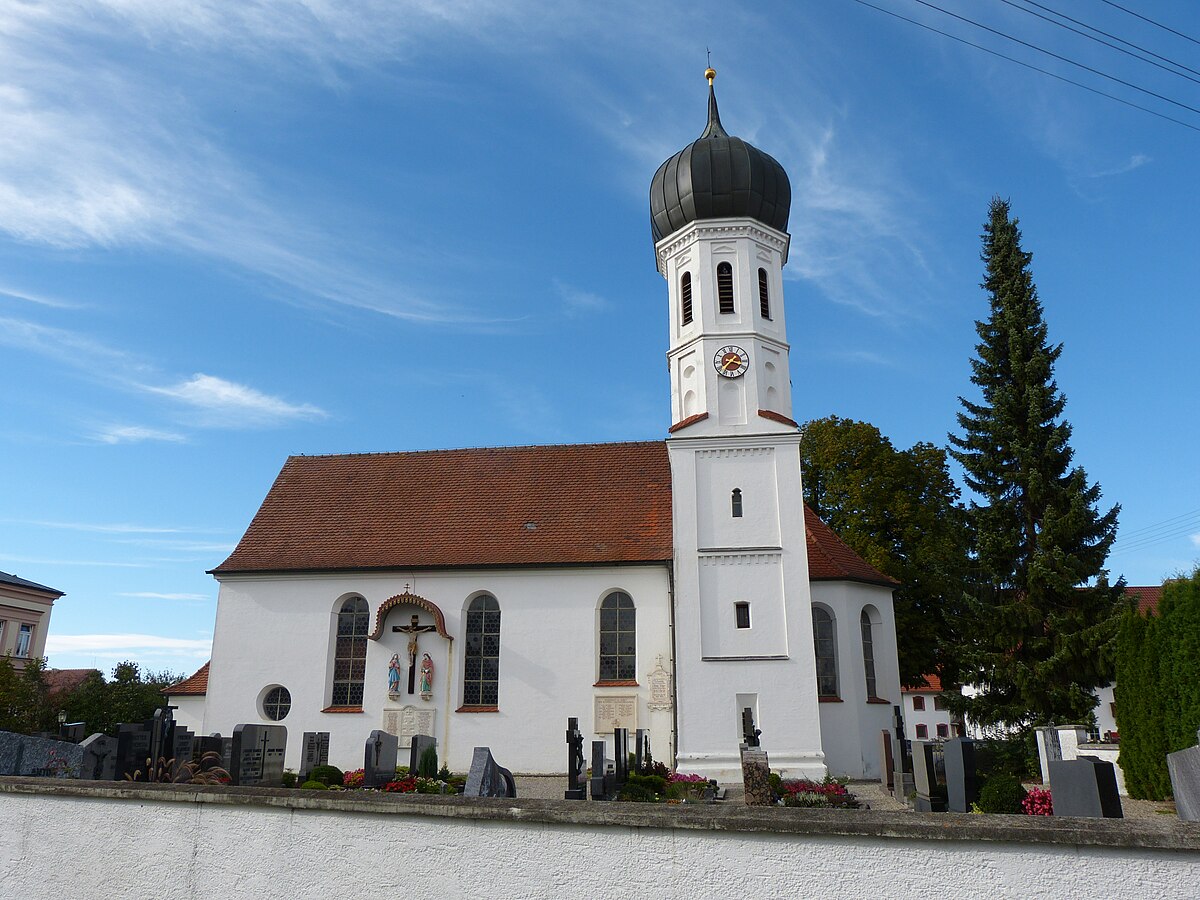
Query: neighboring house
[[926, 716], [186, 698], [24, 618], [61, 682], [1106, 704]]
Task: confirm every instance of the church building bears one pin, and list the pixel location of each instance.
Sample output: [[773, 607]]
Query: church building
[[484, 596]]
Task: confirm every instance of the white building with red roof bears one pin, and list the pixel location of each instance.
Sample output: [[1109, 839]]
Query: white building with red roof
[[484, 596]]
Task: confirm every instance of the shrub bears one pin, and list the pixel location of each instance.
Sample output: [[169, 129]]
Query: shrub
[[327, 775], [314, 786], [1037, 803], [289, 778], [1002, 794], [427, 767]]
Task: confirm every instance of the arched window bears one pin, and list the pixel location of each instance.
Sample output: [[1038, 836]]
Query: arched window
[[350, 652], [618, 638], [736, 503], [868, 644], [481, 666], [825, 643], [725, 287], [764, 295], [685, 297]]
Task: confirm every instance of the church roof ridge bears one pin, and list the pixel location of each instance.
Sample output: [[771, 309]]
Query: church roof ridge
[[480, 448]]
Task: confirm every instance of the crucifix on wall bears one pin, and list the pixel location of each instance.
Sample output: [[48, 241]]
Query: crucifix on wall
[[412, 631]]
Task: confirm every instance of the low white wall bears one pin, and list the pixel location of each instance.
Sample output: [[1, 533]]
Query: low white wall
[[102, 841]]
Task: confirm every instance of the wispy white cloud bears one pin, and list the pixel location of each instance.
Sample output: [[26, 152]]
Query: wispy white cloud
[[133, 434], [27, 297], [179, 545], [1135, 162], [107, 527], [226, 402], [154, 595], [577, 302], [39, 561], [1195, 539], [138, 645]]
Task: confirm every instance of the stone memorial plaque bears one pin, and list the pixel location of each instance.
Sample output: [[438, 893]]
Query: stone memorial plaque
[[616, 712], [257, 755], [487, 778], [185, 745], [315, 751], [408, 721], [659, 681], [1184, 767]]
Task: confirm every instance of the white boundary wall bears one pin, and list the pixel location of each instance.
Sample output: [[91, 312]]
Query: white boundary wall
[[104, 841]]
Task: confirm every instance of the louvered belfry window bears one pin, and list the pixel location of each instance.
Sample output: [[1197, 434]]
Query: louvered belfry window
[[764, 295], [685, 297], [725, 288], [481, 668]]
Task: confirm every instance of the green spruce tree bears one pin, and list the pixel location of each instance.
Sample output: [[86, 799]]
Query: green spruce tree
[[1039, 640]]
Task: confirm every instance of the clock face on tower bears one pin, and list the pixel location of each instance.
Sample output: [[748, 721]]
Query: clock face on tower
[[731, 361]]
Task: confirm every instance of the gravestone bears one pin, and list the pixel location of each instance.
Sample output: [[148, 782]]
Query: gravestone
[[576, 776], [931, 795], [1184, 768], [72, 732], [162, 735], [487, 778], [315, 751], [184, 747], [756, 777], [750, 733], [226, 753], [902, 772], [38, 757], [1049, 750], [888, 766], [379, 758], [641, 750], [420, 743], [133, 749], [962, 782], [601, 781], [257, 755], [208, 743], [621, 758], [1085, 787], [99, 758]]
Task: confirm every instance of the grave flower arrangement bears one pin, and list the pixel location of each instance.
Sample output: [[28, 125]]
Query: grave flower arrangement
[[827, 794], [1038, 803], [416, 784], [353, 779]]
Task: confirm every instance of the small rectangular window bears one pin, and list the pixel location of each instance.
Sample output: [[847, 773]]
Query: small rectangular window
[[922, 731], [943, 730], [939, 703], [742, 613], [24, 640], [685, 295], [919, 703]]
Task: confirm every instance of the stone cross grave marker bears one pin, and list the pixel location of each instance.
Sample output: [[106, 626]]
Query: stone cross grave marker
[[576, 776], [315, 751], [962, 782], [487, 778], [99, 758], [379, 758], [1184, 768], [420, 743], [258, 752], [1085, 786], [902, 774], [750, 733]]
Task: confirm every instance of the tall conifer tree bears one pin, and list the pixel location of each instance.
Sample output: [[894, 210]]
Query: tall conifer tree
[[1038, 640]]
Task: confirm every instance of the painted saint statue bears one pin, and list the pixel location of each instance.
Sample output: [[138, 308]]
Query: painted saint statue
[[394, 674], [426, 677]]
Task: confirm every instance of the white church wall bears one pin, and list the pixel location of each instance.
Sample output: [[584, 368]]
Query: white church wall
[[277, 630], [164, 844], [189, 712]]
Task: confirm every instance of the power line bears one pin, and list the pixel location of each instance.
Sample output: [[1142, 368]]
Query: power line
[[1158, 525], [1099, 41], [1186, 37], [1087, 68], [1030, 66]]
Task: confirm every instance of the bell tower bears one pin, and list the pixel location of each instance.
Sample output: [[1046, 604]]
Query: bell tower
[[744, 639]]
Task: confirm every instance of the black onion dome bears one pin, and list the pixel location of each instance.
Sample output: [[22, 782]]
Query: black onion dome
[[717, 177]]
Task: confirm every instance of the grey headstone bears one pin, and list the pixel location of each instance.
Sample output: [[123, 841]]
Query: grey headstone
[[487, 778], [931, 795], [1049, 750], [379, 758], [226, 753], [73, 732], [38, 757], [208, 743], [184, 748], [315, 751], [576, 775], [257, 755], [1086, 786], [962, 782], [420, 743], [1184, 767], [756, 777], [99, 758]]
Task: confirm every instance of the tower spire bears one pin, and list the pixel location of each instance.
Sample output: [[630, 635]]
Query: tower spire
[[715, 128]]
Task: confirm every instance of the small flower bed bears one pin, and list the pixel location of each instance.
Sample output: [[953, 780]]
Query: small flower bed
[[415, 784], [828, 794], [1038, 803], [353, 779]]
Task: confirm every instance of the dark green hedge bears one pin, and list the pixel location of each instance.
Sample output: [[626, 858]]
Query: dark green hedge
[[1158, 686]]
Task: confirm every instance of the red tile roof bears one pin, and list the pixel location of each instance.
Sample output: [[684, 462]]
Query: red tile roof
[[933, 684], [62, 681], [1146, 597], [196, 684], [575, 504]]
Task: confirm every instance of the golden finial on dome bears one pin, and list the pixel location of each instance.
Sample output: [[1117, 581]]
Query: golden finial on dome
[[710, 73]]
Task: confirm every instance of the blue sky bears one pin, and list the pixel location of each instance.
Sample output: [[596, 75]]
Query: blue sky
[[230, 232]]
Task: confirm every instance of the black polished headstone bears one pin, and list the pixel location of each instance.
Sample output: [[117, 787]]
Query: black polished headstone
[[902, 772], [601, 782], [133, 749], [962, 782], [1085, 786], [258, 753], [621, 757], [930, 794], [379, 758], [576, 776], [315, 751], [184, 748], [487, 778], [420, 743]]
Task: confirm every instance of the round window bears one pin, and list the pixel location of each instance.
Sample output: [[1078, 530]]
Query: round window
[[276, 703]]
